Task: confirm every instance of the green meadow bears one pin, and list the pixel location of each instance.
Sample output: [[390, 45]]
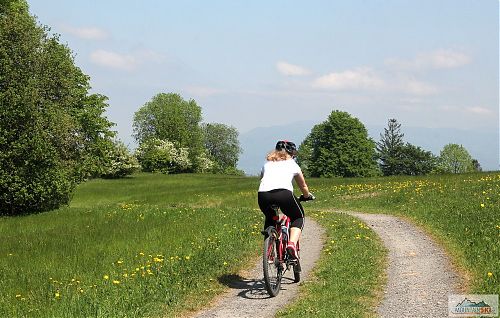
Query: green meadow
[[162, 245]]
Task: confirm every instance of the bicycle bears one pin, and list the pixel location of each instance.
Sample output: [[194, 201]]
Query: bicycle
[[276, 260]]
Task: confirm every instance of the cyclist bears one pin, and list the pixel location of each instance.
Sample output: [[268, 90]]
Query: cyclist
[[276, 187]]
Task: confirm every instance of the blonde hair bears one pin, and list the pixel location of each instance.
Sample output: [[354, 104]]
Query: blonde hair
[[278, 155]]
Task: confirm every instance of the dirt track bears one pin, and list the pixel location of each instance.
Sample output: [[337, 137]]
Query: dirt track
[[247, 296], [420, 276]]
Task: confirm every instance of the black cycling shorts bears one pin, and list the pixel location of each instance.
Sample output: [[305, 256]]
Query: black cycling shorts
[[289, 205]]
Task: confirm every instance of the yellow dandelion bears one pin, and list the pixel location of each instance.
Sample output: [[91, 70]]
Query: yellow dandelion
[[490, 274], [119, 262], [225, 263], [116, 282], [57, 295], [187, 258], [18, 296], [106, 277]]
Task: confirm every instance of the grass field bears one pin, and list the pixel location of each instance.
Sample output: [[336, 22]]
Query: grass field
[[136, 247], [156, 245]]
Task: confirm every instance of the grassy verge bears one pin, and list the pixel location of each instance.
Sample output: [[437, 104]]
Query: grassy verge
[[349, 278]]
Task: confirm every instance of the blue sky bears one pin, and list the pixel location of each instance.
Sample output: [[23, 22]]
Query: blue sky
[[248, 64]]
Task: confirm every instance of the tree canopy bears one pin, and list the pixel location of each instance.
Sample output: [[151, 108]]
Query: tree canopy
[[170, 118], [397, 158], [53, 133], [222, 146], [454, 158], [338, 147]]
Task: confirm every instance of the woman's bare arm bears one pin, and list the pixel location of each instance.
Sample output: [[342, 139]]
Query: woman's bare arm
[[301, 182]]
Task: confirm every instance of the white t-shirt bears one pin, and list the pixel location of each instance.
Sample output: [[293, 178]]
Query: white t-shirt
[[278, 175]]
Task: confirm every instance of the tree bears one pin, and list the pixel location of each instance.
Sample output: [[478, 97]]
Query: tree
[[416, 161], [476, 165], [455, 158], [52, 132], [397, 158], [338, 147], [390, 149], [168, 117], [222, 146]]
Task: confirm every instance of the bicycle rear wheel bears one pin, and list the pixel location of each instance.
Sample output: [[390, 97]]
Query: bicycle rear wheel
[[273, 269]]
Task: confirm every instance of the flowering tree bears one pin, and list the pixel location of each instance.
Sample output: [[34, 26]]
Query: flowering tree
[[157, 155]]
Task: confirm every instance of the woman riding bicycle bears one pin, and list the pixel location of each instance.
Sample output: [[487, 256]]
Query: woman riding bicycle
[[276, 188]]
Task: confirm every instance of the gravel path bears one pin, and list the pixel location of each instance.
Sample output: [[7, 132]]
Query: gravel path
[[419, 274], [247, 296]]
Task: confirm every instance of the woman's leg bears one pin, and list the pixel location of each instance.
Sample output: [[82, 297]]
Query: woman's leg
[[295, 233], [265, 202]]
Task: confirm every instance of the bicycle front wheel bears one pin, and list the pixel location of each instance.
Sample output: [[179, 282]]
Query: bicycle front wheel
[[273, 269]]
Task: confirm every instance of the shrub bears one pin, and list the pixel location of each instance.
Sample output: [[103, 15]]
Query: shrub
[[121, 162], [156, 155]]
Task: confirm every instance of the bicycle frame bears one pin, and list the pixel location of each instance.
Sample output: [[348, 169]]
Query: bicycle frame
[[282, 222]]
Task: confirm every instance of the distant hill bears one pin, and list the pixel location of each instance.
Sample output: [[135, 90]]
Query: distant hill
[[482, 145]]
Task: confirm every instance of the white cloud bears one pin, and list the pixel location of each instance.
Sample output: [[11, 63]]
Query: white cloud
[[87, 33], [126, 62], [439, 59], [291, 70], [114, 60], [415, 87], [359, 78]]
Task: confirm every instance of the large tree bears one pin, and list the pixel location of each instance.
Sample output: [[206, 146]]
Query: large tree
[[416, 161], [170, 118], [222, 146], [455, 158], [52, 132], [338, 147], [390, 149]]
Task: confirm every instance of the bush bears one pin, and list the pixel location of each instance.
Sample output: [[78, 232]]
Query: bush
[[121, 162], [156, 155]]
